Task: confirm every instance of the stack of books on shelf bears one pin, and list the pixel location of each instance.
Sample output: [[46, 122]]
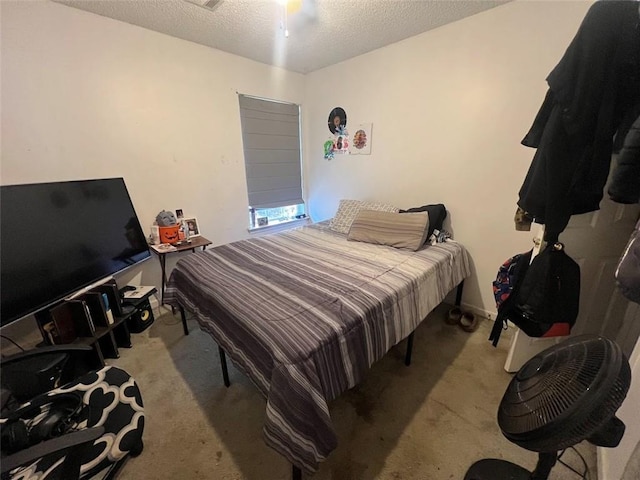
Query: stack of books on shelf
[[80, 316]]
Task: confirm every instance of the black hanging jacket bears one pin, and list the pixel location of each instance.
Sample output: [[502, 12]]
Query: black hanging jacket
[[625, 182], [592, 89]]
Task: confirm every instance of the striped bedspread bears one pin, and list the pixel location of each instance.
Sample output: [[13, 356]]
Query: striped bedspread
[[305, 313]]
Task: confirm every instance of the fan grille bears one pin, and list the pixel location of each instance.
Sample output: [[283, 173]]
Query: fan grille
[[565, 394]]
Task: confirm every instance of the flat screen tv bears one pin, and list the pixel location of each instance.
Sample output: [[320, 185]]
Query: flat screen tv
[[57, 238]]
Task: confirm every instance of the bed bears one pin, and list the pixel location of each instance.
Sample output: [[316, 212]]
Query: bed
[[304, 313]]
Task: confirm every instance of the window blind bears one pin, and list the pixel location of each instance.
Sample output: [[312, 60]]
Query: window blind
[[271, 141]]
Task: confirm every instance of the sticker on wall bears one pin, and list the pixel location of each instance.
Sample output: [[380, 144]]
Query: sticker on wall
[[337, 120], [361, 143], [328, 150], [341, 141]]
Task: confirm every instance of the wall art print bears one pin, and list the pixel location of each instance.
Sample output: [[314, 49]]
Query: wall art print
[[361, 142]]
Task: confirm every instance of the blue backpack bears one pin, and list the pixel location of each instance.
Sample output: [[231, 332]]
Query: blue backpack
[[509, 277]]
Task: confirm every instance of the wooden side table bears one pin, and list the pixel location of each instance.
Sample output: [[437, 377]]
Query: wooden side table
[[196, 242]]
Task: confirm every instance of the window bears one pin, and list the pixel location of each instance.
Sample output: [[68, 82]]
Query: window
[[271, 142]]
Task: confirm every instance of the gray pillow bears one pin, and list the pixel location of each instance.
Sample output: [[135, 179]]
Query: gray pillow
[[397, 230], [348, 209]]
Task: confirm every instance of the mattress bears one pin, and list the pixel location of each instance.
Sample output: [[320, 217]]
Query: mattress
[[304, 313]]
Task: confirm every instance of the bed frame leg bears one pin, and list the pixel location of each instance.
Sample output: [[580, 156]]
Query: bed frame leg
[[459, 293], [184, 320], [223, 364], [407, 357], [296, 473]]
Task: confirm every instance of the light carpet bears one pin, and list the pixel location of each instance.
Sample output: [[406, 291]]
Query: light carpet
[[428, 421]]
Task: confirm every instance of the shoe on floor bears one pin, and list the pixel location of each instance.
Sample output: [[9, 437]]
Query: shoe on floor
[[453, 316], [469, 322]]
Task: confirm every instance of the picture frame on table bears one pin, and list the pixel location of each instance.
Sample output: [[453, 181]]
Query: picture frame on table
[[194, 228]]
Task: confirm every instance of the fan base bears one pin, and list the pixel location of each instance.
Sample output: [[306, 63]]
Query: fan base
[[494, 469]]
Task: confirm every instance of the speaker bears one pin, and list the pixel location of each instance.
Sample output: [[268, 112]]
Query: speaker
[[142, 318]]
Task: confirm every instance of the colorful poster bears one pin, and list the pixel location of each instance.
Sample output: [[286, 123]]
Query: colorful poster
[[361, 143], [341, 141]]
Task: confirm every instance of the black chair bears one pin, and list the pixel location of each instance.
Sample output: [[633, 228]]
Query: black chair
[[62, 415]]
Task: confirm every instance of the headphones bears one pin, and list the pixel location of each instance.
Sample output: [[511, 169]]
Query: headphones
[[21, 430]]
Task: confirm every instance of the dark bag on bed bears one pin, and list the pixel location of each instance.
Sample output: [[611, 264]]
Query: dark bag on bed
[[545, 295]]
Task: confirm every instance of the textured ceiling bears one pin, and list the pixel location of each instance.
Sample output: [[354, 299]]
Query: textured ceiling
[[321, 32]]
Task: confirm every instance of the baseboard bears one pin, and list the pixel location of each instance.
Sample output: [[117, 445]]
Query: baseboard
[[160, 310], [489, 315], [154, 302]]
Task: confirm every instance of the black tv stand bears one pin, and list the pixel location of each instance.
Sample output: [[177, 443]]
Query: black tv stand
[[92, 325]]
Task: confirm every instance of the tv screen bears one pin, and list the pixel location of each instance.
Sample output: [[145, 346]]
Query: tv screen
[[57, 238]]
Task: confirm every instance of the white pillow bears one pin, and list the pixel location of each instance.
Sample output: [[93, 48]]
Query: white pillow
[[349, 209]]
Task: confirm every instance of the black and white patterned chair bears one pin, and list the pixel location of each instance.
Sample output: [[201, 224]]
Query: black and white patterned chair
[[82, 429]]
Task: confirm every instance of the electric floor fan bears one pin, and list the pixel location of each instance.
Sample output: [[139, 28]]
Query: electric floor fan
[[562, 396]]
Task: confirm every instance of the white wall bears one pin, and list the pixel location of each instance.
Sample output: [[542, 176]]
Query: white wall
[[84, 96], [613, 461], [449, 108]]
